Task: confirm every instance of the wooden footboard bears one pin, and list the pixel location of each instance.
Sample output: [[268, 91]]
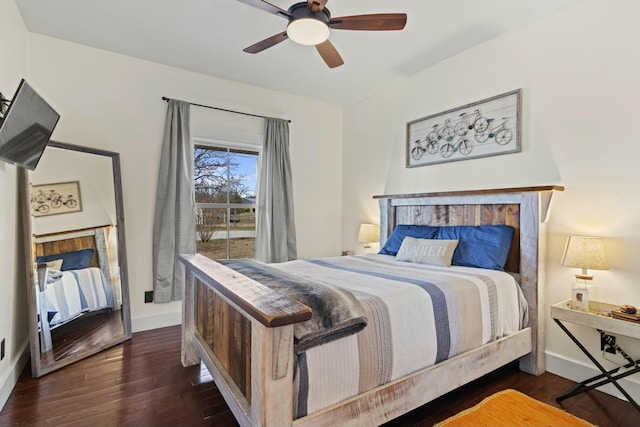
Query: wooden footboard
[[227, 333], [243, 332]]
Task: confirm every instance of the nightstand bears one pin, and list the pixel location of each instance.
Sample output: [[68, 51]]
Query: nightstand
[[595, 318]]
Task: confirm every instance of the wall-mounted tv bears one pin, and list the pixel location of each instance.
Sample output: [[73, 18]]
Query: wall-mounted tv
[[26, 128]]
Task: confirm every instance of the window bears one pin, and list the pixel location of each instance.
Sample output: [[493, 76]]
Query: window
[[225, 181]]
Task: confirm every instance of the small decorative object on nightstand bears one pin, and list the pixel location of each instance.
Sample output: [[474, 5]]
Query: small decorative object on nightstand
[[629, 309], [626, 312], [585, 253], [368, 234]]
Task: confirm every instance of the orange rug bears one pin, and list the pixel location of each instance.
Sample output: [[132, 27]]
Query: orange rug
[[510, 408]]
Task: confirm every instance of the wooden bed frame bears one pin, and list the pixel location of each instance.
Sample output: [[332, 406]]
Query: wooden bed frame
[[243, 331]]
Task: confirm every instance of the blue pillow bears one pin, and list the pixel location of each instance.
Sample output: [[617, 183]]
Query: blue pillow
[[482, 246], [393, 243], [74, 260]]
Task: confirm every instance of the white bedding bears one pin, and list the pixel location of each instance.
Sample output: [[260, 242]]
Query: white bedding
[[418, 315], [71, 293]]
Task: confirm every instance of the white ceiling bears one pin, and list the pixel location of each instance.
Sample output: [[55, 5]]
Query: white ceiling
[[208, 36]]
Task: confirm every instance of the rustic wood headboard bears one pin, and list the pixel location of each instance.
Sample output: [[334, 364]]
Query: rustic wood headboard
[[74, 240], [467, 214], [67, 245]]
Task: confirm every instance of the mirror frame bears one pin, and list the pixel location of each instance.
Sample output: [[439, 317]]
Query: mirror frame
[[37, 368]]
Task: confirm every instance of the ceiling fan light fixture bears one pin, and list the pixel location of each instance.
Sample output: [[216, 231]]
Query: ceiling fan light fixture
[[310, 24], [308, 31]]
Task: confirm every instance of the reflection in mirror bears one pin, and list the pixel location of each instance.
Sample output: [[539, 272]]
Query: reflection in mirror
[[76, 256]]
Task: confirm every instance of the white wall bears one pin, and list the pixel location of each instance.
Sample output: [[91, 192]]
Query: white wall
[[94, 174], [578, 71], [13, 296], [113, 102]]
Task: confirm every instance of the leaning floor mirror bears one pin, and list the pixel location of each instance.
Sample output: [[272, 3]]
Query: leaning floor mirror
[[76, 261]]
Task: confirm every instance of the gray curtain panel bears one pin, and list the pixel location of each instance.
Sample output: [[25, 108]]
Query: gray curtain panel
[[275, 227], [174, 220]]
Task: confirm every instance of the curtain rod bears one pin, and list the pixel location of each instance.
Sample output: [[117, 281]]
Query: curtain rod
[[164, 98]]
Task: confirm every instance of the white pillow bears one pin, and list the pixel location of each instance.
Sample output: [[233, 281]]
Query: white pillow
[[55, 265], [427, 251]]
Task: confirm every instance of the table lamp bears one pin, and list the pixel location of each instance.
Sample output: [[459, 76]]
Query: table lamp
[[585, 253], [368, 233]]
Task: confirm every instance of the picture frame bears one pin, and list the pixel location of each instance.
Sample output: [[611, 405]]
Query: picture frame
[[56, 198], [580, 298], [481, 129]]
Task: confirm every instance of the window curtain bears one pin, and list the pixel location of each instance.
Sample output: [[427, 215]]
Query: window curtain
[[174, 220], [275, 227]]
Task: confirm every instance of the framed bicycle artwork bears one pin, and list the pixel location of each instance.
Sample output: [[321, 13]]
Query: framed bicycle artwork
[[485, 128], [58, 198]]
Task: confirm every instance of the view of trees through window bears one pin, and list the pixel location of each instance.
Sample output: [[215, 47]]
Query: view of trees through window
[[225, 193]]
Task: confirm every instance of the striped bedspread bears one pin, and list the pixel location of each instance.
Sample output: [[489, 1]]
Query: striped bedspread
[[74, 292], [418, 315]]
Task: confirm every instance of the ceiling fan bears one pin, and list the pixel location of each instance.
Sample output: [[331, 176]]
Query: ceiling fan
[[310, 23]]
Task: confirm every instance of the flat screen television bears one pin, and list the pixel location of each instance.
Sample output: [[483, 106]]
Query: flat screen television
[[26, 128]]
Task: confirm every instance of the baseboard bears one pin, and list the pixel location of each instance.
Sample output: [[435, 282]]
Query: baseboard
[[579, 371], [145, 323], [11, 378]]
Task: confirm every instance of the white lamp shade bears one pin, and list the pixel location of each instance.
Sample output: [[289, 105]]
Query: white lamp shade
[[308, 32], [369, 233], [585, 252]]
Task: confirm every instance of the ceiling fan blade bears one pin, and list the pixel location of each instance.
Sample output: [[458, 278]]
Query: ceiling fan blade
[[376, 22], [329, 54], [267, 7], [316, 5], [266, 43]]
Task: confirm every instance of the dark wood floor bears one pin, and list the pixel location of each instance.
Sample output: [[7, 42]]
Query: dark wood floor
[[142, 383], [82, 334]]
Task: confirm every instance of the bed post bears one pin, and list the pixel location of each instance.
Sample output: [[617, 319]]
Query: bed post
[[189, 354], [387, 220], [272, 376], [45, 333], [532, 241], [534, 213]]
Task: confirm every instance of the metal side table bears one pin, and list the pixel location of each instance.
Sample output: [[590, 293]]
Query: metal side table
[[594, 318]]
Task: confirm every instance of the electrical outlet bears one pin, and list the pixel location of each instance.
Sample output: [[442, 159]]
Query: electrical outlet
[[608, 343], [148, 297], [2, 349]]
